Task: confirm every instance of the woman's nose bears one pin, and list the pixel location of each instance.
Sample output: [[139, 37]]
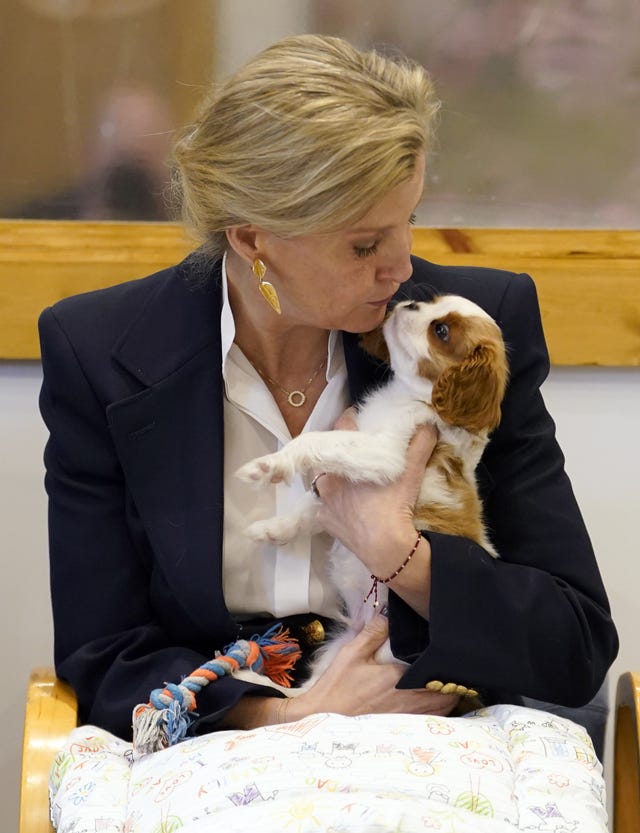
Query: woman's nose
[[395, 263]]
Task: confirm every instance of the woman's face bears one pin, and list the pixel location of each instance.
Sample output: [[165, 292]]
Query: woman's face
[[344, 279]]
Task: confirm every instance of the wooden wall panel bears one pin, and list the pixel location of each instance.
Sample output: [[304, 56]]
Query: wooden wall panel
[[588, 280]]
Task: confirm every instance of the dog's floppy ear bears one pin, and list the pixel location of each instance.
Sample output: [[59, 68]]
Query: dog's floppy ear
[[469, 394], [375, 344]]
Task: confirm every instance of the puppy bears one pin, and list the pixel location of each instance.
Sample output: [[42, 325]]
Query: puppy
[[450, 369]]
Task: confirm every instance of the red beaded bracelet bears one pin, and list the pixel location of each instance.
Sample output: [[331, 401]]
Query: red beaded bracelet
[[376, 579]]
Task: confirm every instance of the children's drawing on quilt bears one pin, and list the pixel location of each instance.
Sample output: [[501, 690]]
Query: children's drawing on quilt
[[168, 823], [584, 757], [331, 773], [439, 792], [261, 764], [549, 811], [249, 794], [298, 814], [237, 740], [421, 761], [567, 749], [171, 781], [478, 760], [439, 727], [474, 801], [132, 821], [330, 785], [556, 747], [341, 755], [81, 795], [339, 762], [307, 750], [555, 826], [143, 785], [356, 811], [92, 743], [386, 750], [301, 727], [558, 780]]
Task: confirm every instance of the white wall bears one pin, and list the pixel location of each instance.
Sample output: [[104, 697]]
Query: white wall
[[25, 618], [596, 411]]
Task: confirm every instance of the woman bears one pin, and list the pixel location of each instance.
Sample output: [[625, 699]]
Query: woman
[[301, 177]]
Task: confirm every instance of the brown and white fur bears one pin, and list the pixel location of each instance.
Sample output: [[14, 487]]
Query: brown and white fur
[[449, 369]]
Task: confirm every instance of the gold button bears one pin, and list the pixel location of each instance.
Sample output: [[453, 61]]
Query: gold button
[[450, 688], [313, 633]]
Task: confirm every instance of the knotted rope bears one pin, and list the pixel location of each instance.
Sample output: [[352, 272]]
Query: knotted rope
[[165, 719]]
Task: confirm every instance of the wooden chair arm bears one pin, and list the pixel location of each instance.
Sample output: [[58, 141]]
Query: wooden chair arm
[[51, 713], [626, 813]]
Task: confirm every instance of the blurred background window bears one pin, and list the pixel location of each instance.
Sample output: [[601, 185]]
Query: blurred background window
[[91, 92], [539, 127]]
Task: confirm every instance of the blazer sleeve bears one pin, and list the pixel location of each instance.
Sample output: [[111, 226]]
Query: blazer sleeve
[[111, 643], [536, 621]]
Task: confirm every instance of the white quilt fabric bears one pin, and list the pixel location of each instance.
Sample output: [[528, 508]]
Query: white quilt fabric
[[501, 769]]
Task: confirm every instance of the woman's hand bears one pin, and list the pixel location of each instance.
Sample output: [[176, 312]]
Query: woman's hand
[[369, 519], [376, 522], [353, 684]]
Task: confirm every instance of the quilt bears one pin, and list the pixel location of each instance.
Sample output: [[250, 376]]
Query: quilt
[[500, 769]]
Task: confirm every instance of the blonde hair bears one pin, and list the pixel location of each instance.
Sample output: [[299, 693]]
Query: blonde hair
[[304, 138]]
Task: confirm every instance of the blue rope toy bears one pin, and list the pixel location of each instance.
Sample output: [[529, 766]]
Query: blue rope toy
[[165, 719]]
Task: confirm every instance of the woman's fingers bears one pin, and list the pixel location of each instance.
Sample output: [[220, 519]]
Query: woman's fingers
[[371, 637], [421, 446], [355, 683]]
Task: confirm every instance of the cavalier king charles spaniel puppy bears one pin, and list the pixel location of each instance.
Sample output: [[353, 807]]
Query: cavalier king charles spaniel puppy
[[450, 369]]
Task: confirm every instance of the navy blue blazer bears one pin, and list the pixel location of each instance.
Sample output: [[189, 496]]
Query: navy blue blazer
[[132, 396]]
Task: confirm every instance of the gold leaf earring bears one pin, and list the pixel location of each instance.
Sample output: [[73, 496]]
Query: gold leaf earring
[[267, 289]]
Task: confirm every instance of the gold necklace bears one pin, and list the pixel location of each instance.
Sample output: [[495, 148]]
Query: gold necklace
[[295, 398]]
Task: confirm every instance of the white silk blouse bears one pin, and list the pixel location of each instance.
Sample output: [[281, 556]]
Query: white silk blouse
[[261, 578]]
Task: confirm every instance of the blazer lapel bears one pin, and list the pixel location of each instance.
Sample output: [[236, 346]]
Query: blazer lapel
[[364, 372], [169, 438]]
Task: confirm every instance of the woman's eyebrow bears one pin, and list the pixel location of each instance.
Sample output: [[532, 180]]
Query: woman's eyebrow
[[368, 229]]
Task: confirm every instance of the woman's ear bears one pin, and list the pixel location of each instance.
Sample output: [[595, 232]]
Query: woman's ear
[[374, 343], [244, 241]]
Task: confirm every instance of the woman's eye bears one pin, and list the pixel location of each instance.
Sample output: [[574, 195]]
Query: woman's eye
[[365, 251], [442, 331], [412, 220]]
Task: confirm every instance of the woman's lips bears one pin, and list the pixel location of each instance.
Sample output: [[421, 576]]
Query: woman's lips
[[383, 303]]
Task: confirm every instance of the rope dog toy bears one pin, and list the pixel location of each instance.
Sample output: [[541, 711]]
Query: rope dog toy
[[165, 719]]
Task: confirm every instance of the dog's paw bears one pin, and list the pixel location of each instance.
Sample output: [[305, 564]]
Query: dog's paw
[[263, 471], [277, 531]]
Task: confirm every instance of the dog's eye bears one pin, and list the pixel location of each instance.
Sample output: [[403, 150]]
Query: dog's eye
[[441, 330]]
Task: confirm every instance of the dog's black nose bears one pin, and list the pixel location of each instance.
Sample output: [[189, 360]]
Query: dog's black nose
[[413, 305]]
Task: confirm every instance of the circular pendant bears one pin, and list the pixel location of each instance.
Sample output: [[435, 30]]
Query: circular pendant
[[296, 398]]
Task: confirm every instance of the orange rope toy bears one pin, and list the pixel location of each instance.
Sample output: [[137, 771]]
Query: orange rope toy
[[165, 719]]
